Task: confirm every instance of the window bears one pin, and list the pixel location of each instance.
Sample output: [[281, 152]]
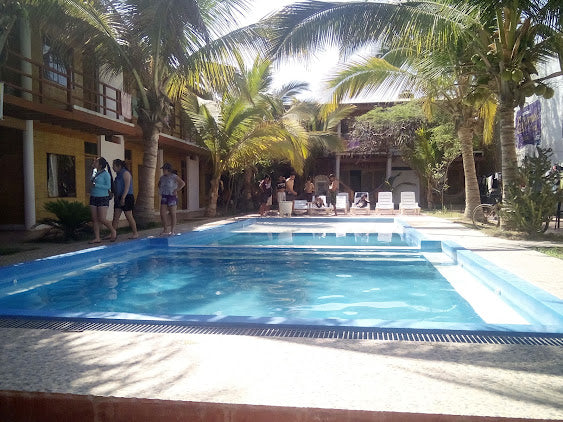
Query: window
[[54, 68], [61, 176]]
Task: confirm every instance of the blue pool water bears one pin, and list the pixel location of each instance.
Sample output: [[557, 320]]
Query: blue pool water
[[373, 272], [272, 283]]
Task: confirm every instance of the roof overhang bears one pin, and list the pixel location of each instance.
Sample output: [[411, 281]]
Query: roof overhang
[[77, 118]]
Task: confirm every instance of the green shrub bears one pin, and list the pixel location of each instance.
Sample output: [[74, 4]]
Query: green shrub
[[530, 203], [71, 217]]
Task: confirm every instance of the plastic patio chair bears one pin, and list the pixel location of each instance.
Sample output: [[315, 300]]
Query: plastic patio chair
[[355, 209], [384, 204], [408, 203]]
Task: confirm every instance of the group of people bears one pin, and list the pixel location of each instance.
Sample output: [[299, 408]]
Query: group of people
[[285, 191], [104, 187]]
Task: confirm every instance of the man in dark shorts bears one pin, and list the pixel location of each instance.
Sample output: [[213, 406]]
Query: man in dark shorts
[[290, 192], [332, 191], [124, 199]]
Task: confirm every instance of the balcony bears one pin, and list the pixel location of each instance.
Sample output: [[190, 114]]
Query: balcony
[[67, 98]]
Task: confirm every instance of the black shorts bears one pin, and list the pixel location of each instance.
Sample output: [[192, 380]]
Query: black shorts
[[99, 201], [129, 203]]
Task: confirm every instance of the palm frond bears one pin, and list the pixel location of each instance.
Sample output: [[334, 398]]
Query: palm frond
[[366, 76], [304, 27]]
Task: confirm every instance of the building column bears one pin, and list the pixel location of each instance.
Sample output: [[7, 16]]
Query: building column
[[25, 66], [28, 176], [159, 160], [28, 146], [337, 163], [389, 167], [192, 182]]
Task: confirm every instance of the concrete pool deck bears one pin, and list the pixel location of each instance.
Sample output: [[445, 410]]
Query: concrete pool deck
[[396, 377]]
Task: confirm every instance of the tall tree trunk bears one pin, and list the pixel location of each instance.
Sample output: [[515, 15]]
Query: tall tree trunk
[[429, 194], [248, 188], [145, 206], [211, 210], [507, 144], [472, 196]]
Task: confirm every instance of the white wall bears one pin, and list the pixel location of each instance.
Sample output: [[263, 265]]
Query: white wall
[[551, 115], [111, 151], [407, 181]]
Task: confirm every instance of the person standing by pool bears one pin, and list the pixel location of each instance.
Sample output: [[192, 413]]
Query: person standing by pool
[[280, 189], [332, 191], [309, 189], [168, 186], [290, 192], [100, 197], [124, 199], [265, 195]]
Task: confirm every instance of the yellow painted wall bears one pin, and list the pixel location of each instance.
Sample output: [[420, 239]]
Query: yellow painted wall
[[60, 141]]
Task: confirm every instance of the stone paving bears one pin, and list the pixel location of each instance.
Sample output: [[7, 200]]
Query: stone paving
[[499, 380]]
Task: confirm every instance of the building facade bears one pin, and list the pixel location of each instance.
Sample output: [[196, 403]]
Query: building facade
[[56, 118]]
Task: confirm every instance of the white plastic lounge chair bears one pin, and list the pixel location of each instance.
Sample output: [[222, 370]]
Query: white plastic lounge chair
[[300, 206], [384, 204], [319, 210], [408, 203], [342, 202], [355, 209]]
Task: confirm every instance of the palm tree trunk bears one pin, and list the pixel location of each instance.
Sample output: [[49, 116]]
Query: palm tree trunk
[[145, 204], [211, 210], [247, 189], [472, 196], [429, 194], [507, 144]]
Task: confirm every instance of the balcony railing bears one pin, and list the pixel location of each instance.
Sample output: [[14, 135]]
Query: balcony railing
[[38, 82]]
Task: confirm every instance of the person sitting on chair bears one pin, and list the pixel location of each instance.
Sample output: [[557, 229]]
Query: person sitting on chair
[[319, 202], [362, 202]]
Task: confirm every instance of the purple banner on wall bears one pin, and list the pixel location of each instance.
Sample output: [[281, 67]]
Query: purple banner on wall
[[528, 125]]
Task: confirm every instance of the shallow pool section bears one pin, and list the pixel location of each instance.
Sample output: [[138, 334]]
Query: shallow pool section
[[316, 272]]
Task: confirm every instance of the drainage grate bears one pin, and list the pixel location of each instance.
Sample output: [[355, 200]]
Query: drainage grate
[[347, 333]]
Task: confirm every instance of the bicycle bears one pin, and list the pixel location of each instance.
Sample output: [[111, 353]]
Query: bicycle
[[486, 216]]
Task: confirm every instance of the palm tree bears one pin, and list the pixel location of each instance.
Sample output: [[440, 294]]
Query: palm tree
[[248, 123], [513, 37], [439, 77], [49, 15], [239, 128], [505, 35], [165, 48]]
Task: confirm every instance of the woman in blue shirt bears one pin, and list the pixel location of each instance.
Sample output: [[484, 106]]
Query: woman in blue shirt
[[99, 198]]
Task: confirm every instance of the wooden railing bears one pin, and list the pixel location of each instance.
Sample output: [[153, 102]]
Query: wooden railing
[[61, 89]]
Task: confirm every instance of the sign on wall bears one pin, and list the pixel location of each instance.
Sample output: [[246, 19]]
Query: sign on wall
[[528, 125]]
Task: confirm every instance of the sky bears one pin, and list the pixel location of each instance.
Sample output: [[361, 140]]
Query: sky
[[314, 71]]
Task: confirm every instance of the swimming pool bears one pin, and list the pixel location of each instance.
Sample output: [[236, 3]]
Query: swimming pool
[[374, 272]]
